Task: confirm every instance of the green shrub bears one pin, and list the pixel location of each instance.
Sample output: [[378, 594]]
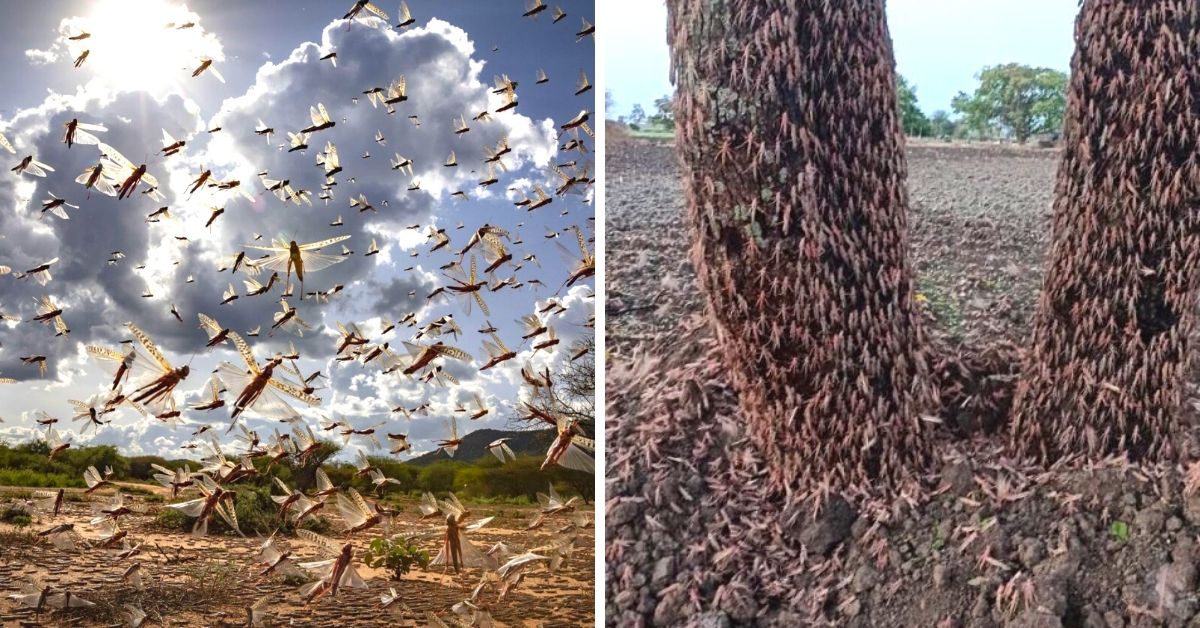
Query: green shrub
[[171, 520], [256, 514], [17, 538], [438, 477], [15, 515], [32, 477], [317, 524], [397, 555]]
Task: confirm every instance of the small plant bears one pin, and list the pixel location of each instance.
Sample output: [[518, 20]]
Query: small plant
[[16, 516], [173, 520], [16, 538], [1119, 530], [317, 524], [397, 555], [938, 542], [294, 580]]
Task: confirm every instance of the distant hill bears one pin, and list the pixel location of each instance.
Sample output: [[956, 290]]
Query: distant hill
[[474, 445]]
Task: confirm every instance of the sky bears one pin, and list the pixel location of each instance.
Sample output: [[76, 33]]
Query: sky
[[940, 45], [137, 83]]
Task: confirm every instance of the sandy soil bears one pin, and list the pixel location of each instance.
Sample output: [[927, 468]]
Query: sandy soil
[[178, 561], [692, 536]]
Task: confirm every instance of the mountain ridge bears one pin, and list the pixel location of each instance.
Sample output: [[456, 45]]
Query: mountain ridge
[[474, 445]]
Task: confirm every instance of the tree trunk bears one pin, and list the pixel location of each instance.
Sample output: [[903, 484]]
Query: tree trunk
[[788, 130], [1106, 369]]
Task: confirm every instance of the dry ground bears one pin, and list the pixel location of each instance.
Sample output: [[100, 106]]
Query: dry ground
[[210, 581], [694, 538]]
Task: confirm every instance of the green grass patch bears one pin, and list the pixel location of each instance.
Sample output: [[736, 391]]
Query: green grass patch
[[30, 477], [657, 135], [256, 514], [935, 300], [15, 515], [17, 538]]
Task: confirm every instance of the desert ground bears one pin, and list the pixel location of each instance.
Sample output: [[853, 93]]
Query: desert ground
[[211, 580], [990, 542]]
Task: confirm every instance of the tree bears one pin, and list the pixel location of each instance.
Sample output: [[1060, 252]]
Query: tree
[[912, 119], [610, 103], [664, 113], [637, 116], [795, 179], [942, 125], [1018, 99], [305, 476], [975, 119], [571, 393], [1106, 370]]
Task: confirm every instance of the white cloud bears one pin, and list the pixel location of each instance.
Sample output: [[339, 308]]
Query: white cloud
[[41, 57], [444, 80]]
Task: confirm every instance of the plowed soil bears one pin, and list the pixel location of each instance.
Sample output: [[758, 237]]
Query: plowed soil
[[174, 565], [693, 538]]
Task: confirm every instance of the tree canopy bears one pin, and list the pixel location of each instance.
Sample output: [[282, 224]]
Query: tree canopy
[[912, 119], [1016, 99]]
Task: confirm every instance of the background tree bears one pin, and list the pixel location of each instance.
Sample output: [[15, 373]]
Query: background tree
[[975, 117], [942, 125], [305, 476], [637, 117], [1018, 99], [610, 103], [572, 391], [788, 130], [664, 115], [912, 119], [1111, 334]]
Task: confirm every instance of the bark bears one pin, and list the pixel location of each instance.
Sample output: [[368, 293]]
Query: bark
[[1105, 372], [788, 130]]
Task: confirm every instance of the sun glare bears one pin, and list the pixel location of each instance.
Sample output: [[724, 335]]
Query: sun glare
[[143, 46]]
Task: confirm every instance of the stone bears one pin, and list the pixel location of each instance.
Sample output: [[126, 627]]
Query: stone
[[626, 598], [740, 605], [712, 619], [1092, 618], [1033, 618], [939, 575], [664, 571], [782, 618], [865, 579], [1149, 521], [669, 609], [1031, 552], [1171, 591], [622, 512], [982, 606], [1191, 509], [959, 477], [1184, 550], [853, 607], [831, 527]]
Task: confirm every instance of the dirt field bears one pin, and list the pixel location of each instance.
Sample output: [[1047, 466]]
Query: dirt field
[[211, 580], [979, 229], [692, 536]]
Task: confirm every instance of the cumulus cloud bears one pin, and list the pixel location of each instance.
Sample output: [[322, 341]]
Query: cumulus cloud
[[444, 79], [41, 57]]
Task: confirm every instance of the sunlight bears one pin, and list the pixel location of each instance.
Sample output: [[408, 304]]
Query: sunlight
[[136, 49]]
